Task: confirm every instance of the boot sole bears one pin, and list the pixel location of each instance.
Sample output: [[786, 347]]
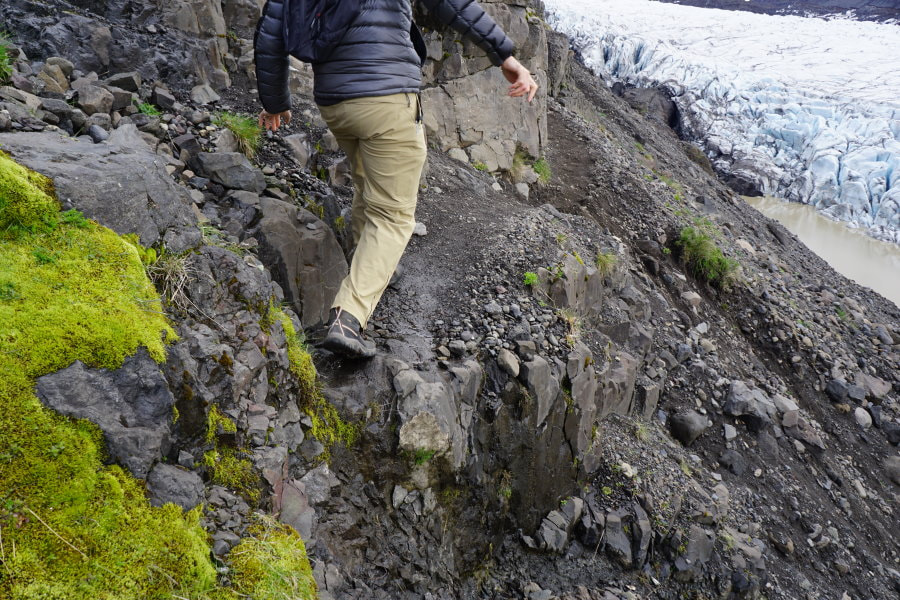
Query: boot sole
[[350, 349]]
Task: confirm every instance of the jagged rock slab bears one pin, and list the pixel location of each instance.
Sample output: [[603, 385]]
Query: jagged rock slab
[[122, 184], [132, 406]]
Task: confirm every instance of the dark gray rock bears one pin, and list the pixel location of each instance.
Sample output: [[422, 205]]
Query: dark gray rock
[[618, 543], [543, 386], [132, 406], [129, 81], [60, 108], [167, 483], [87, 176], [700, 546], [751, 405], [892, 467], [688, 425], [163, 98], [892, 431], [733, 461], [97, 133], [837, 390], [303, 256], [231, 169]]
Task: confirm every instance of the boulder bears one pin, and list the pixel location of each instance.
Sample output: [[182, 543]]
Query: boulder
[[688, 425], [132, 406], [751, 405], [168, 483], [304, 257], [87, 175], [93, 99], [231, 169]]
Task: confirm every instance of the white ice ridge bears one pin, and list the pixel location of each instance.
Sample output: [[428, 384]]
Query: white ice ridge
[[807, 109]]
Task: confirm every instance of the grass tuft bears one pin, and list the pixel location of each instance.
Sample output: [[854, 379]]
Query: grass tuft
[[245, 129], [606, 262], [542, 168], [704, 259], [5, 58]]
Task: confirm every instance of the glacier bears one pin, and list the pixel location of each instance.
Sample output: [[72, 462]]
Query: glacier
[[806, 109]]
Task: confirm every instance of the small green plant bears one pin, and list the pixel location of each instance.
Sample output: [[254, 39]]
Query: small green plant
[[641, 432], [530, 278], [8, 291], [246, 131], [43, 256], [542, 168], [145, 108], [423, 456], [480, 166], [705, 259], [606, 490], [667, 251], [606, 262], [340, 223], [74, 218], [841, 313], [5, 58]]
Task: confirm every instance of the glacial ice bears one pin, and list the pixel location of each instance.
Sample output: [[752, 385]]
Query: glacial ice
[[807, 109]]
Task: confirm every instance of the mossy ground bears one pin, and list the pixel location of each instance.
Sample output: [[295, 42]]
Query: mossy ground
[[705, 260], [327, 425], [72, 528], [272, 564]]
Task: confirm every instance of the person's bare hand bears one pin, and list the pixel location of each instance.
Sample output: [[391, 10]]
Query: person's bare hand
[[273, 122], [523, 84]]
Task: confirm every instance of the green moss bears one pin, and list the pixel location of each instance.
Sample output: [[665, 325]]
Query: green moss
[[606, 262], [236, 473], [71, 527], [215, 420], [480, 166], [26, 200], [530, 278], [542, 168], [5, 59], [327, 425], [272, 565]]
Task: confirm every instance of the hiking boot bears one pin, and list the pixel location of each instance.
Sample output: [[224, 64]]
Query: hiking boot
[[396, 277], [345, 338]]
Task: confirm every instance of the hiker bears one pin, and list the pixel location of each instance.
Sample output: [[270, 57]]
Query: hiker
[[367, 90]]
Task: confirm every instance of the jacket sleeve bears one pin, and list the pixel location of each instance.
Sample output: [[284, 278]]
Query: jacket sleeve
[[271, 59], [468, 18]]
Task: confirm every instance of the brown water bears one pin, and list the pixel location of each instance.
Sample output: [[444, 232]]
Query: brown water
[[865, 260]]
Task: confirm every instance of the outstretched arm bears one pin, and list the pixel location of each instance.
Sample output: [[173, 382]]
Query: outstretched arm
[[468, 18], [272, 66]]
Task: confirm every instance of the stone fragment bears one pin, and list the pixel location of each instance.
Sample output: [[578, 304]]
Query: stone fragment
[[163, 98], [299, 147], [131, 405], [309, 264], [733, 461], [892, 467], [508, 362], [863, 418], [167, 483], [93, 99], [687, 426], [130, 82], [204, 94], [749, 404], [232, 170], [692, 298]]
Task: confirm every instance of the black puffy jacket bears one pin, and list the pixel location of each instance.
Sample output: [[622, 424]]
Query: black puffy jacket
[[375, 58]]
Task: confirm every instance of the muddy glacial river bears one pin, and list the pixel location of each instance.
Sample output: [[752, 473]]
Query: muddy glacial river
[[865, 260]]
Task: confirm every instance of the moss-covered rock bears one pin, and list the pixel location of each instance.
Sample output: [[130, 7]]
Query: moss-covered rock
[[71, 527], [26, 200], [272, 564]]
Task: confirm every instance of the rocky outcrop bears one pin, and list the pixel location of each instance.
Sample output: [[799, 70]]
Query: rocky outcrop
[[465, 96], [131, 405], [145, 200], [304, 257]]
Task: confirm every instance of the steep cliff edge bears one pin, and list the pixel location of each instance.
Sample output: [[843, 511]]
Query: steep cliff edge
[[577, 394]]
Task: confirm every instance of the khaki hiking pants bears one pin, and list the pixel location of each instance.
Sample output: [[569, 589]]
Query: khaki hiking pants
[[385, 142]]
